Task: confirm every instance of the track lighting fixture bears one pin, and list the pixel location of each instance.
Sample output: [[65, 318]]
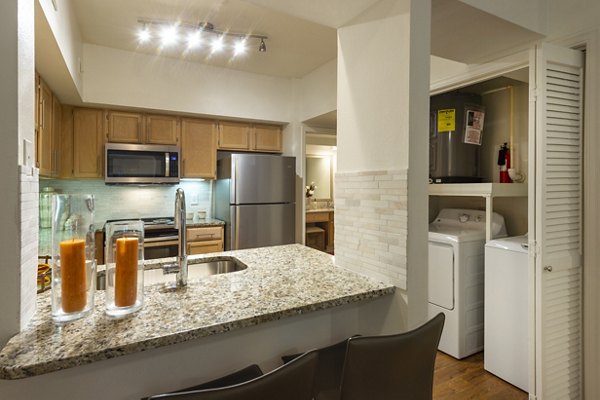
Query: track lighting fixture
[[195, 35]]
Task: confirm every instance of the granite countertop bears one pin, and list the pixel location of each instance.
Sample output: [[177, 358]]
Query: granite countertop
[[190, 223], [279, 282]]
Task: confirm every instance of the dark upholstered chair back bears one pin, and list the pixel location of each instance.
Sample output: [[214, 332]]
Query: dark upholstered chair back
[[392, 367], [292, 381]]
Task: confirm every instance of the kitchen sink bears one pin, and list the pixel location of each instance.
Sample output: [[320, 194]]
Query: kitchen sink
[[196, 271]]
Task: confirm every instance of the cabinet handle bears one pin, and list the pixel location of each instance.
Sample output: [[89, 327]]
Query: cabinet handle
[[548, 268]]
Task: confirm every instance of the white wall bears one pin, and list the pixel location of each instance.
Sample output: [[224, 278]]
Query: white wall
[[66, 31], [529, 14], [573, 16], [123, 78], [383, 84], [17, 124], [318, 91], [373, 93]]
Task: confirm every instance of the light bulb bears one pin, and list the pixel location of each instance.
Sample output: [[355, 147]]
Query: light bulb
[[144, 34], [217, 44], [168, 35], [239, 47], [193, 39]]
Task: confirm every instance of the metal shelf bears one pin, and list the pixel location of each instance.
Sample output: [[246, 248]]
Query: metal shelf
[[485, 190]]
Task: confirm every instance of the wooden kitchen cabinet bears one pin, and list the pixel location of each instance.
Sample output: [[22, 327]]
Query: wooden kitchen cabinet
[[162, 129], [249, 137], [206, 239], [325, 221], [44, 148], [56, 131], [198, 148], [125, 127], [267, 138], [88, 143], [234, 136]]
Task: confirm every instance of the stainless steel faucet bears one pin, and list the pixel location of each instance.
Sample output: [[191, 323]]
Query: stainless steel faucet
[[181, 266]]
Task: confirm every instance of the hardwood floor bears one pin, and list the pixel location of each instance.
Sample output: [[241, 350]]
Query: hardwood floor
[[466, 379]]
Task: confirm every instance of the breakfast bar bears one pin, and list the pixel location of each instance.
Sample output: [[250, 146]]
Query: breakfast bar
[[287, 298]]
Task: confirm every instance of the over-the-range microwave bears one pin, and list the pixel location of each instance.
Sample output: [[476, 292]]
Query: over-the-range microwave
[[141, 164]]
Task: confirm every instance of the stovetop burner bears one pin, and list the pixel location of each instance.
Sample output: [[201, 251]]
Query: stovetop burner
[[151, 222]]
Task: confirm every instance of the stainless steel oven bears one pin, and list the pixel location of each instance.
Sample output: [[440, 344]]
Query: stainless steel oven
[[161, 239]]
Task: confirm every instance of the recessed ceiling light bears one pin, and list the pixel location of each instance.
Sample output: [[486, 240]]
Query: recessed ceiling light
[[168, 35]]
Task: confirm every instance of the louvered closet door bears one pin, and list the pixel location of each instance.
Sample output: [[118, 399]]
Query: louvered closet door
[[558, 222]]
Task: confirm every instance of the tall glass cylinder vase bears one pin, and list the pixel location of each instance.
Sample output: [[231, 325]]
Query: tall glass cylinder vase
[[124, 267], [73, 257]]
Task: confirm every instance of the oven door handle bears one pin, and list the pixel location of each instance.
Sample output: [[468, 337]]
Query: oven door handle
[[161, 243]]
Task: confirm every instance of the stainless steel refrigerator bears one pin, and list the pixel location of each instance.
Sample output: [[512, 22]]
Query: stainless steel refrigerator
[[255, 195]]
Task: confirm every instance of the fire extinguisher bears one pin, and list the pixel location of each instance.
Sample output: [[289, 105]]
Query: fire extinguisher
[[504, 163]]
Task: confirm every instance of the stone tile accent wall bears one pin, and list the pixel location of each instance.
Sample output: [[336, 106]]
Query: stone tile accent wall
[[28, 191], [371, 224]]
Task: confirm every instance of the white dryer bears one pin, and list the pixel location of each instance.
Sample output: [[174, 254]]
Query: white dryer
[[456, 268]]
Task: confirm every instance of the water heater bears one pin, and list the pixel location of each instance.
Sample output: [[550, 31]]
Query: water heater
[[455, 137]]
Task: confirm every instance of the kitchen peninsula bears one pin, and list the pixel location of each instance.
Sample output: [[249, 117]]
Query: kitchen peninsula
[[289, 298]]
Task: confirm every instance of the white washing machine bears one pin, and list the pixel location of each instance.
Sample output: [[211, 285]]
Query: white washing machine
[[506, 310], [456, 256]]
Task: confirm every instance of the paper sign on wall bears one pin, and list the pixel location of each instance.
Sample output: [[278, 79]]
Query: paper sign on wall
[[446, 120], [474, 126]]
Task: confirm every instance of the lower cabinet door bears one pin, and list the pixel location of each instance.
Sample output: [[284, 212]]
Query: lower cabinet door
[[208, 246]]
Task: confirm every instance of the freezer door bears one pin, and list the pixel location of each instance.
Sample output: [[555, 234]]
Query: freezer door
[[260, 225], [262, 178]]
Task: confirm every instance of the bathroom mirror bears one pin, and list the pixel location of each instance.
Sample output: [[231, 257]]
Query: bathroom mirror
[[318, 170]]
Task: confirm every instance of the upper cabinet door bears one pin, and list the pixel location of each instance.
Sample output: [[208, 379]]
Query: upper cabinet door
[[44, 139], [88, 143], [125, 127], [162, 129], [234, 136], [267, 138], [198, 148], [56, 130], [557, 225]]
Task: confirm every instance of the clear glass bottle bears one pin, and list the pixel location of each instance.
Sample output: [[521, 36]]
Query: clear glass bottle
[[73, 257], [124, 267]]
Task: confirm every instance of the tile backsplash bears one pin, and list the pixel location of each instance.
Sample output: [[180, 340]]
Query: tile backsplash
[[128, 201]]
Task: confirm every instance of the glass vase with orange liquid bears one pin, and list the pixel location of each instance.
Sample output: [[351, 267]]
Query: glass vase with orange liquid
[[73, 257], [124, 259]]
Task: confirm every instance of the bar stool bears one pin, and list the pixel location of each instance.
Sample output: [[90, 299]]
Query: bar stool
[[292, 381], [315, 237]]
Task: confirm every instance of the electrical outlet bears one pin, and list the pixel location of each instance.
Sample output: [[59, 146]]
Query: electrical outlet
[[195, 199]]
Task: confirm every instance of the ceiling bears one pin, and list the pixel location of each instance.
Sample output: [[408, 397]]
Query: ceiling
[[295, 46], [302, 34]]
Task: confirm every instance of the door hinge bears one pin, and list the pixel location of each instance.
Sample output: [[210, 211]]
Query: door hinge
[[534, 248], [534, 93]]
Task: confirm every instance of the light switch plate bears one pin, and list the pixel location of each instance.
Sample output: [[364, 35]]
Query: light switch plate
[[27, 153]]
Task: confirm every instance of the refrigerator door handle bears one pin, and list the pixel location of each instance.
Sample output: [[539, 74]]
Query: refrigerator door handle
[[233, 184], [237, 231]]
